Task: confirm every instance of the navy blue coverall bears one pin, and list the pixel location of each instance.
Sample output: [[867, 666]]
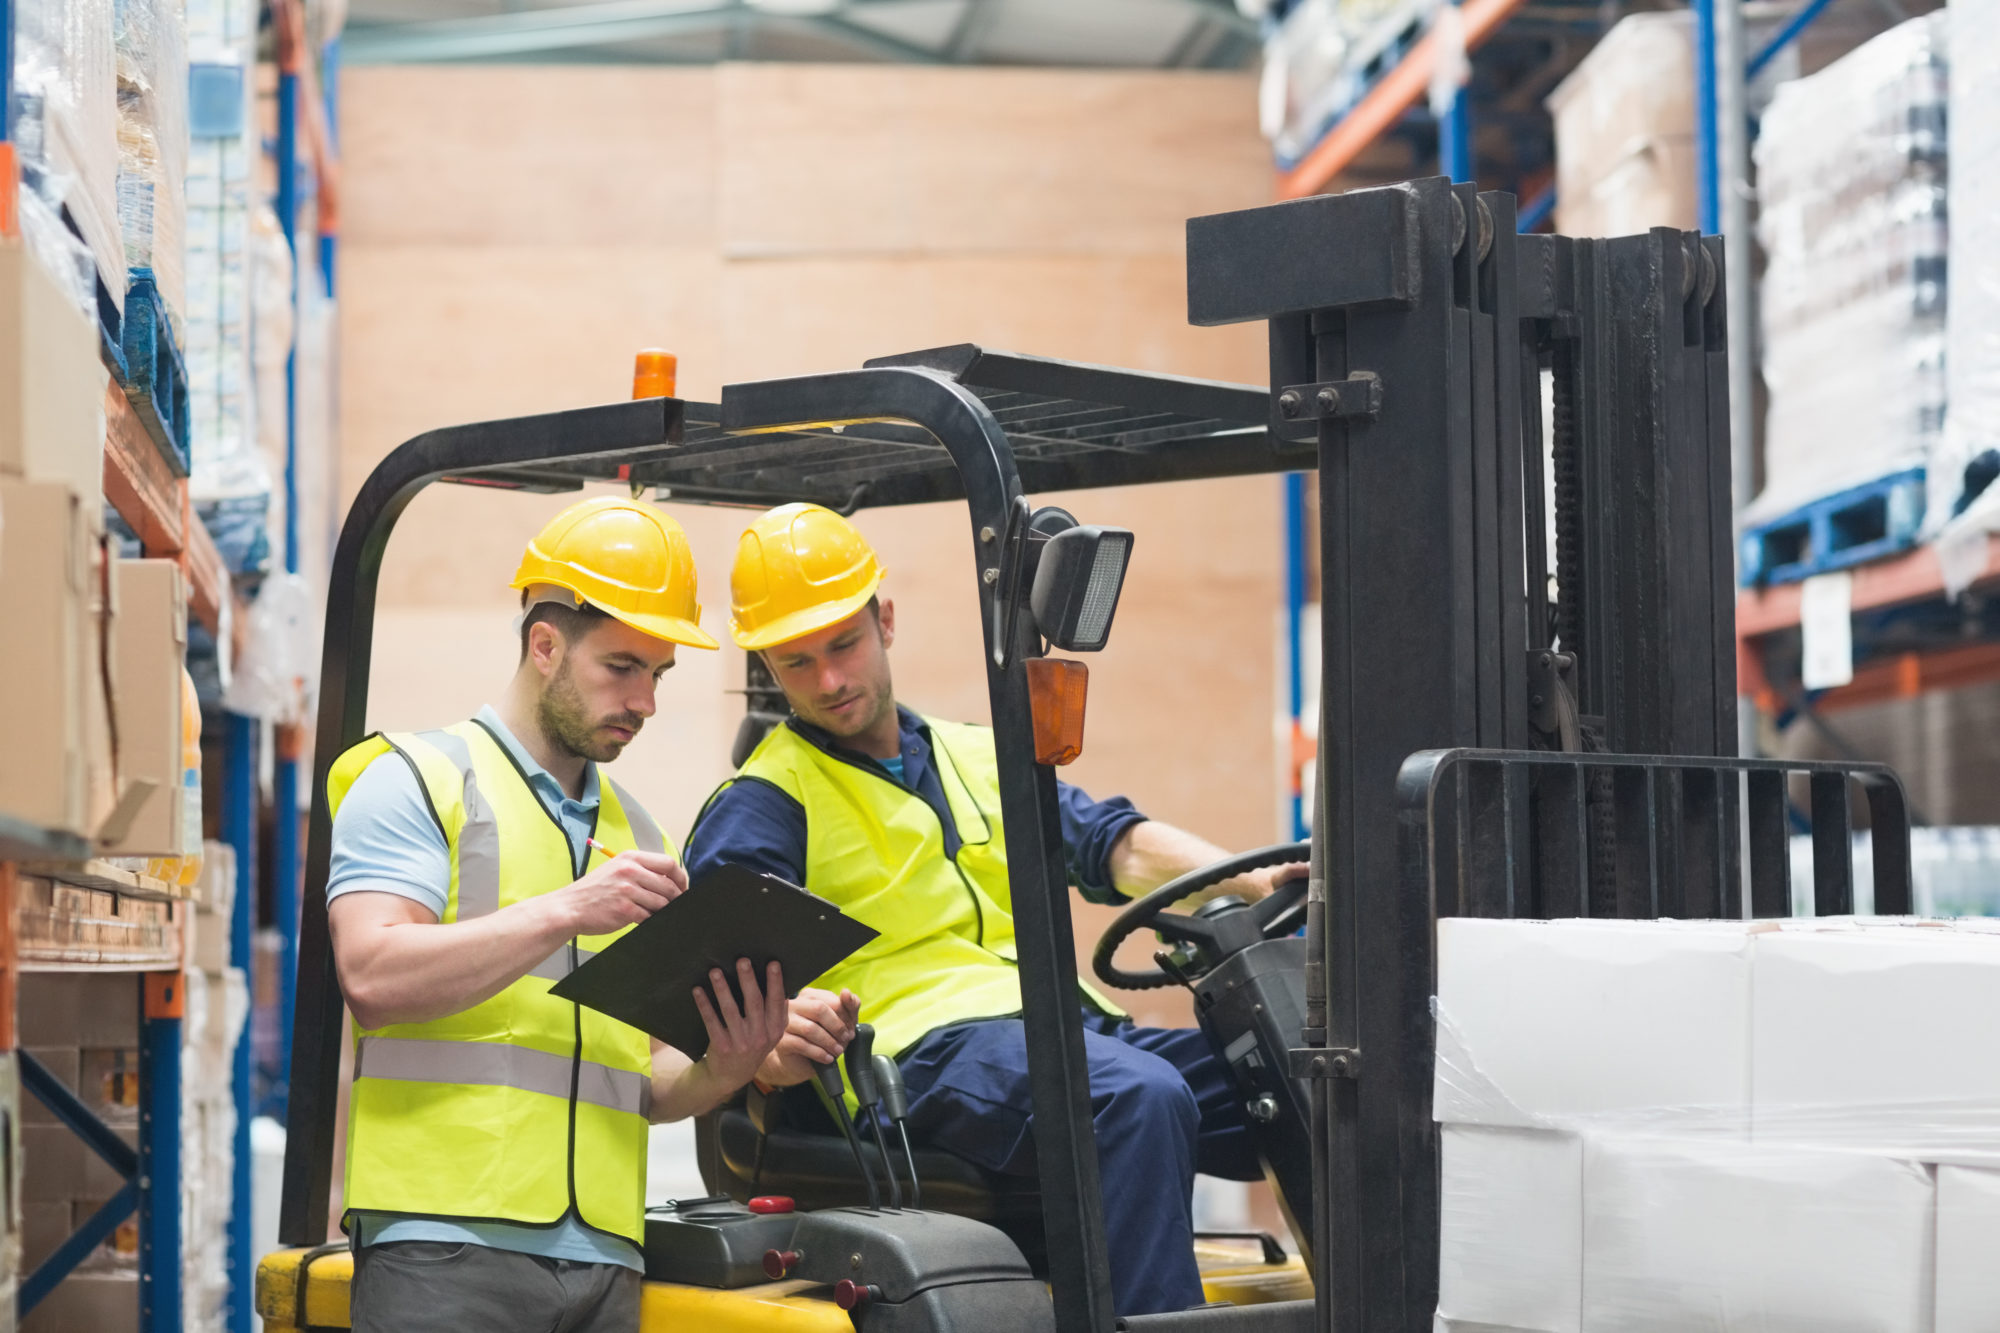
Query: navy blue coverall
[[1162, 1106]]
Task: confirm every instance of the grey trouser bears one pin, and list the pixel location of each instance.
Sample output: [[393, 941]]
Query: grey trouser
[[424, 1286]]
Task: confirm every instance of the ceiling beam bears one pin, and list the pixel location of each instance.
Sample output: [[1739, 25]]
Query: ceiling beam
[[527, 32], [838, 28]]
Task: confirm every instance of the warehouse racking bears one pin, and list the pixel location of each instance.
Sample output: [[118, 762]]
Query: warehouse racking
[[65, 911], [1910, 636]]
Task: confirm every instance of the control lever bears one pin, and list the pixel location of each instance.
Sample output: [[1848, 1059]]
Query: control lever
[[860, 1060], [828, 1078], [897, 1103]]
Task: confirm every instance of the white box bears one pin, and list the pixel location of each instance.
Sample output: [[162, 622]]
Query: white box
[[1968, 1241], [1685, 1234], [1510, 1243], [1565, 1018], [1879, 1019]]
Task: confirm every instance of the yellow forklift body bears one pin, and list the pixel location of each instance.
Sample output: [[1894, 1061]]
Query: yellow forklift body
[[300, 1290]]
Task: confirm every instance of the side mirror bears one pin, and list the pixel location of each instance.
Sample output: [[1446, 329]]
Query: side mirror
[[1078, 577]]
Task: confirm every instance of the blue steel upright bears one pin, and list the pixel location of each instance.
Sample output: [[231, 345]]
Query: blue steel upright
[[239, 830], [1707, 154], [1455, 135], [286, 827], [160, 1293]]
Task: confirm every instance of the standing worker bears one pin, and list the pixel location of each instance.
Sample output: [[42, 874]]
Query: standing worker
[[896, 817], [496, 1147]]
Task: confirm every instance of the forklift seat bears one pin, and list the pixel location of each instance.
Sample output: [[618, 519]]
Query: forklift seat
[[816, 1170]]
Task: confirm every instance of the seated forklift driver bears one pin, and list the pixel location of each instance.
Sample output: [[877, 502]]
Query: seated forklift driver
[[896, 817], [496, 1153]]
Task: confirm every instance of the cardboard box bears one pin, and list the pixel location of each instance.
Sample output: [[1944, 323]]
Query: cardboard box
[[108, 1083], [1542, 1021], [1561, 1018], [78, 1009], [44, 1226], [1968, 1237], [62, 1063], [46, 534], [1652, 185], [1635, 87], [149, 646], [1510, 1244], [58, 1167], [119, 1250], [52, 381], [98, 1302], [1685, 1234], [1888, 1017]]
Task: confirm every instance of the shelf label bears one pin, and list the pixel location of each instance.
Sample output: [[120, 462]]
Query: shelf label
[[1826, 623]]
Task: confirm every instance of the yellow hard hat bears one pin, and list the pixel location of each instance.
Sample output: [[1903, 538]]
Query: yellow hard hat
[[625, 558], [799, 568]]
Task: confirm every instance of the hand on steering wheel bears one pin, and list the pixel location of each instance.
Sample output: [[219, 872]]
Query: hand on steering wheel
[[1273, 917]]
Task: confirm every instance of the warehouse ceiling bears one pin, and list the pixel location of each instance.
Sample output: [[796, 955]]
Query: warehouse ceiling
[[1144, 34]]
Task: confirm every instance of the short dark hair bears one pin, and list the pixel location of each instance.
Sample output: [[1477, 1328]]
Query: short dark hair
[[572, 622]]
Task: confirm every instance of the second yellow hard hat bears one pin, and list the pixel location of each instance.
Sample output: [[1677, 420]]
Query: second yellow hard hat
[[625, 558], [799, 568]]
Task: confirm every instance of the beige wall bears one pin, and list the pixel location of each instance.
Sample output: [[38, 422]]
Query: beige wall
[[513, 234]]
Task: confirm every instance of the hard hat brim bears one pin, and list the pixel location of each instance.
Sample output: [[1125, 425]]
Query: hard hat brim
[[809, 620], [671, 628]]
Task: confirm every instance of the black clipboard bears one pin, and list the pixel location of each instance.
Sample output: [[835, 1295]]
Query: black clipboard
[[648, 976]]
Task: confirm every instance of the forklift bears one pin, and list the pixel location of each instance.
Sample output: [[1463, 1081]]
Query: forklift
[[1512, 725]]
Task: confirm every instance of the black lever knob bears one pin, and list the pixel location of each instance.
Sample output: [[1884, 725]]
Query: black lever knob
[[861, 1066], [895, 1100], [829, 1079]]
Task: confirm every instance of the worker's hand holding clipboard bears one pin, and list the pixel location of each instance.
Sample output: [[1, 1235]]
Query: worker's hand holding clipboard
[[649, 976]]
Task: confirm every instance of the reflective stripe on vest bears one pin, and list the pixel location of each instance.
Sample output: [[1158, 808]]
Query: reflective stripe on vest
[[495, 1064], [523, 1107], [946, 949]]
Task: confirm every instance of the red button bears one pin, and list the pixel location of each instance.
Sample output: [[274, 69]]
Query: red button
[[770, 1203], [848, 1293]]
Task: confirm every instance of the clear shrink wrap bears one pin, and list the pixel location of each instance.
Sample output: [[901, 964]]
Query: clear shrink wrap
[[153, 144], [66, 132], [1718, 1125], [1964, 504], [1851, 178]]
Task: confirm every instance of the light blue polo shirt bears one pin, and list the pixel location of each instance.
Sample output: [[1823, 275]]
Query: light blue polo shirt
[[385, 841]]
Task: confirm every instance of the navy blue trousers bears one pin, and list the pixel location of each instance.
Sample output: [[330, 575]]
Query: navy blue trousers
[[1162, 1107]]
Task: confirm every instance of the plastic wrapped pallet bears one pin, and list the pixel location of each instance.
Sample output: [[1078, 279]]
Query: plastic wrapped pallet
[[66, 130], [1851, 170], [1969, 457], [1717, 1125], [153, 144]]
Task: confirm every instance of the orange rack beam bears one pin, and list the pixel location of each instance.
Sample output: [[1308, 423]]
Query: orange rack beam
[[1384, 104]]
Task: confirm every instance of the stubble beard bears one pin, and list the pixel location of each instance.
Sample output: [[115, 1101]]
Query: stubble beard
[[565, 720]]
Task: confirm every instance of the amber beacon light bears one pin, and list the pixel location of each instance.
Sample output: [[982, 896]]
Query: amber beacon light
[[653, 373]]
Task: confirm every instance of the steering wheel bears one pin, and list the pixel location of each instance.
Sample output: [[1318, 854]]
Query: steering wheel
[[1221, 933]]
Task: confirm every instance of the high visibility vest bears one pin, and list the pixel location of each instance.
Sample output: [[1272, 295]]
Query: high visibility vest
[[523, 1108], [876, 849]]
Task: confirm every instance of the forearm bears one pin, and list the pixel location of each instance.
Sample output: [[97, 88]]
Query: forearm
[[1150, 854], [412, 972], [683, 1087]]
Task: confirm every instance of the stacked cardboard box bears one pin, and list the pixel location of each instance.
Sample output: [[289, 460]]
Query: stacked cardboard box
[[56, 700], [1718, 1125], [1624, 122]]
